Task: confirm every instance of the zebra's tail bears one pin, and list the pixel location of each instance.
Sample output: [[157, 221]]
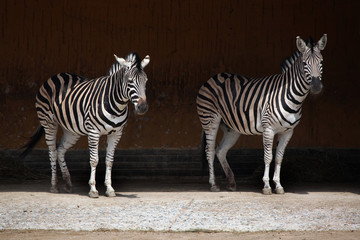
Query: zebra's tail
[[203, 153], [33, 141]]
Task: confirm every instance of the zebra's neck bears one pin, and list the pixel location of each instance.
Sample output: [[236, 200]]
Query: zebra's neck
[[298, 87], [121, 87], [289, 62], [116, 95]]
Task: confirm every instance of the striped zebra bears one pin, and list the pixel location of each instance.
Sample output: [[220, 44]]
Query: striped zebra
[[89, 107], [252, 106]]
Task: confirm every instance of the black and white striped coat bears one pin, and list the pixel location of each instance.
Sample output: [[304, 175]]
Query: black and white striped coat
[[91, 107], [252, 106]]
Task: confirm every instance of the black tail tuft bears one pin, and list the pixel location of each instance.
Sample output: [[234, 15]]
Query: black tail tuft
[[203, 152], [34, 139]]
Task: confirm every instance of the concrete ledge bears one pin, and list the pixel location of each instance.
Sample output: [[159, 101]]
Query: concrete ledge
[[314, 165]]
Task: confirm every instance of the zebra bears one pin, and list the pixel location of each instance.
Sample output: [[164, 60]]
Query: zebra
[[92, 108], [253, 106]]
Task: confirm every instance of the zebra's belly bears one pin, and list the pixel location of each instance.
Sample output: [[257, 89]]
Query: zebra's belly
[[287, 122], [106, 126], [83, 127], [245, 123], [110, 129], [249, 128], [256, 126], [74, 127]]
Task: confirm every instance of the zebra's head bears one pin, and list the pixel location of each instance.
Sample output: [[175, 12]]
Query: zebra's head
[[135, 80], [312, 60]]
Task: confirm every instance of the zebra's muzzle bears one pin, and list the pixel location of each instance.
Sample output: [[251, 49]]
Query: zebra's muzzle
[[142, 107], [316, 85]]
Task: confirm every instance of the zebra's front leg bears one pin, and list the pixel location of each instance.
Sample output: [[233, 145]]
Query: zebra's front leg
[[93, 139], [112, 141], [280, 150], [268, 138]]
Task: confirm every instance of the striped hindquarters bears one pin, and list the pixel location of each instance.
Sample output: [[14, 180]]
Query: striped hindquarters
[[52, 94]]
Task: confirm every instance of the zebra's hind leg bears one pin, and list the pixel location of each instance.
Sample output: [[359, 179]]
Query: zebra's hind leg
[[93, 139], [268, 138], [280, 150], [210, 135], [229, 139], [67, 141], [50, 138], [112, 141]]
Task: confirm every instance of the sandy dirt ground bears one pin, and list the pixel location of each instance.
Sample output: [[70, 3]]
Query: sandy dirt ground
[[337, 206]]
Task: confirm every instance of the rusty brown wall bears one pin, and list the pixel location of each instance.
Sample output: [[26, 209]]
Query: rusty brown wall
[[188, 42]]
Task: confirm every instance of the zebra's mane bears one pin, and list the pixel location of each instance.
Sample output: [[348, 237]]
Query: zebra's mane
[[288, 62], [310, 43], [131, 57], [135, 60], [114, 68]]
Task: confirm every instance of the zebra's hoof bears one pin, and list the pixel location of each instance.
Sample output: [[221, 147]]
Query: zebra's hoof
[[231, 187], [110, 194], [68, 189], [279, 190], [267, 191], [94, 194], [54, 189], [215, 189]]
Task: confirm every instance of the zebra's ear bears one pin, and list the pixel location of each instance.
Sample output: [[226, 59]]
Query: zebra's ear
[[145, 61], [322, 42], [301, 45], [122, 61]]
